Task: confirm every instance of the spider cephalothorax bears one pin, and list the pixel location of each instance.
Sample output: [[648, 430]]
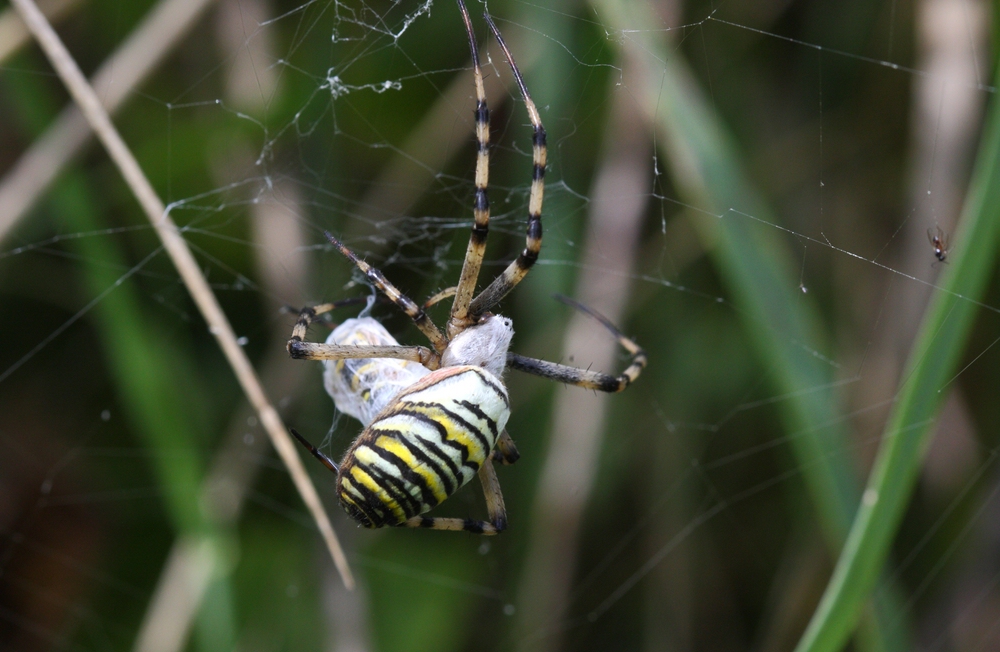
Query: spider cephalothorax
[[484, 345], [435, 417]]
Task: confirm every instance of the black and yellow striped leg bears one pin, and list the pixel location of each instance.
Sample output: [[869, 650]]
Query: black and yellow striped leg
[[518, 269], [452, 524], [494, 497], [582, 377], [308, 315], [481, 205], [406, 304], [494, 505]]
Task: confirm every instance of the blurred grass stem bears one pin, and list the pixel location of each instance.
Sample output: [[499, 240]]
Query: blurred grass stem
[[14, 35], [761, 277], [621, 190], [186, 265], [190, 567], [114, 81]]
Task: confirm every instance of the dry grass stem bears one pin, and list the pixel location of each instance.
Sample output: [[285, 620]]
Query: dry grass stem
[[186, 264]]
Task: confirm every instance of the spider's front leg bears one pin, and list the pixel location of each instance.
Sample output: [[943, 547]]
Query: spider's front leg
[[309, 314], [459, 319], [405, 303], [316, 351], [518, 269], [299, 349]]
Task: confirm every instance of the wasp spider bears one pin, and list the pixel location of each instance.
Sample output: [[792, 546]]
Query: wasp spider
[[434, 417]]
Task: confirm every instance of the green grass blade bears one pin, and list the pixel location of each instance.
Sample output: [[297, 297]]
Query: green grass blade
[[142, 366], [149, 376], [147, 371], [755, 264], [151, 373], [762, 278], [932, 364]]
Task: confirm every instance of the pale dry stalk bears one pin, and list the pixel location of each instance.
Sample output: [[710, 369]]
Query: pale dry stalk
[[176, 247]]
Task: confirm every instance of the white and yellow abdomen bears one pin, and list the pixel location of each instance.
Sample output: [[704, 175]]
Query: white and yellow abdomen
[[430, 440]]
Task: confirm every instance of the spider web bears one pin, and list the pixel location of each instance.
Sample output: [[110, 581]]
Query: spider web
[[688, 516]]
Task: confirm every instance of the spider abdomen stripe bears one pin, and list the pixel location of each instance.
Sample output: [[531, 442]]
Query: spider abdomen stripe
[[429, 441]]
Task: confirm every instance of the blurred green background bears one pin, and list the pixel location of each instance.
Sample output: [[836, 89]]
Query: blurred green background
[[746, 188]]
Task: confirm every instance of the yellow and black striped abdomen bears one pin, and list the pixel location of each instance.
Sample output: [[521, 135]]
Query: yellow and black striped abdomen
[[422, 447]]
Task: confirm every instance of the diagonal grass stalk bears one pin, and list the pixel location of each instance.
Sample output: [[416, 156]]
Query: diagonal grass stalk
[[184, 260]]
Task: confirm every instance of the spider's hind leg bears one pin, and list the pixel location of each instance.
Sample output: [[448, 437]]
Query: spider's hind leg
[[494, 505], [584, 377], [453, 524], [505, 452], [327, 462]]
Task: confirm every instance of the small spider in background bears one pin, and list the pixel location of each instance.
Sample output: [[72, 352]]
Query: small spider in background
[[434, 417], [940, 241]]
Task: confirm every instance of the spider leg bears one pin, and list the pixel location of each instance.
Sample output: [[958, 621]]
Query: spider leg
[[494, 505], [327, 462], [518, 269], [452, 524], [319, 351], [302, 350], [494, 498], [308, 315], [440, 296], [481, 205], [581, 377], [405, 303], [505, 452]]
